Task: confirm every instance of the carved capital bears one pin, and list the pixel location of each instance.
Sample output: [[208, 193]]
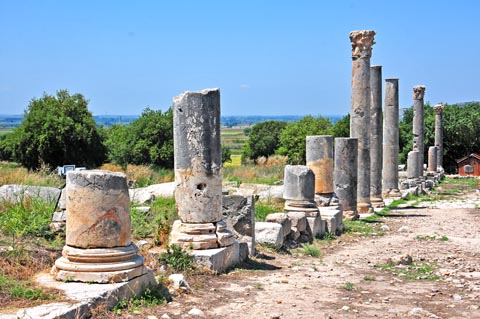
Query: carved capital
[[362, 42], [438, 108], [418, 92]]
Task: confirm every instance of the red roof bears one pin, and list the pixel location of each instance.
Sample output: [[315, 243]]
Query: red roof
[[475, 155]]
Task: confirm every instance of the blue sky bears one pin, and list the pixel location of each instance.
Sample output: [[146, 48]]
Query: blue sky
[[267, 57]]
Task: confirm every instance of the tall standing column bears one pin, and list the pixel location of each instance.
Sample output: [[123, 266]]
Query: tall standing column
[[376, 137], [439, 133], [419, 125], [345, 175], [390, 140], [362, 42], [198, 171]]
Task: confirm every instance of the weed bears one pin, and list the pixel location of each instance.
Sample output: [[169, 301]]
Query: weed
[[258, 286], [369, 278], [328, 237], [435, 236], [397, 202], [444, 238], [310, 250], [348, 286], [413, 271], [361, 228], [13, 173], [176, 258], [262, 209]]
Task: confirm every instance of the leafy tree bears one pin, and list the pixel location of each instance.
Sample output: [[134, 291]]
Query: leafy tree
[[342, 127], [58, 130], [293, 137], [226, 154], [147, 140], [264, 139]]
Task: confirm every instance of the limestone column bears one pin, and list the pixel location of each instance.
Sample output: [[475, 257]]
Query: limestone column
[[432, 159], [198, 173], [419, 124], [319, 155], [439, 133], [376, 137], [362, 42], [98, 246], [299, 190], [390, 140], [412, 165], [345, 175]]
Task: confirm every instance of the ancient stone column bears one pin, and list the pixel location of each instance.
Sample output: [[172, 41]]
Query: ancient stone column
[[390, 140], [299, 190], [412, 164], [319, 155], [419, 124], [432, 159], [376, 137], [362, 42], [98, 246], [345, 175], [439, 133], [198, 173]]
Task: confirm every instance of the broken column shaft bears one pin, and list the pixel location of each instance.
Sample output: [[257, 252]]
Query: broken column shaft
[[345, 175], [419, 125], [439, 133]]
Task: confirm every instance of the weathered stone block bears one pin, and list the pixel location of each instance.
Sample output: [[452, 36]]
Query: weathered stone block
[[282, 219], [269, 233], [299, 220], [314, 226], [218, 259]]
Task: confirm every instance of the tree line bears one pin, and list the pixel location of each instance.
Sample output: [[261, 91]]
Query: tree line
[[58, 130]]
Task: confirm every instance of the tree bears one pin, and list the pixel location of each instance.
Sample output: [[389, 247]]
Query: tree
[[147, 140], [58, 130], [264, 139], [341, 128], [293, 137], [226, 154]]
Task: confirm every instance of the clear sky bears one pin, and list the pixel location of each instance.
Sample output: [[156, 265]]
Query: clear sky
[[267, 57]]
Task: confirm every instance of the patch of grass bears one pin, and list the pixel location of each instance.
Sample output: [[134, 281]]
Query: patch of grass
[[29, 217], [153, 296], [157, 222], [360, 228], [397, 202], [142, 175], [177, 259], [310, 250], [414, 271], [256, 174], [444, 238], [262, 209], [236, 161], [435, 236], [348, 286], [327, 237], [369, 278], [14, 173]]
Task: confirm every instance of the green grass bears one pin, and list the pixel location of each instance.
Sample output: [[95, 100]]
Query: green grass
[[348, 286], [153, 296], [263, 209], [361, 228], [177, 259], [369, 278], [414, 271], [310, 250], [22, 289], [236, 160]]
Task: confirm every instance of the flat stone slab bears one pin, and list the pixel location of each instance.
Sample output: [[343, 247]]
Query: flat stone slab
[[83, 297], [218, 259]]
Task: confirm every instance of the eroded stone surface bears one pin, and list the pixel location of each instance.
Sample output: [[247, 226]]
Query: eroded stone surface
[[319, 156]]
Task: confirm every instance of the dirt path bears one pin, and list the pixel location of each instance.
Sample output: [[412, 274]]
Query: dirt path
[[443, 239]]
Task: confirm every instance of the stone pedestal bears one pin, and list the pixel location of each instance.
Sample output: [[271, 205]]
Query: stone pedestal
[[360, 120], [376, 137], [412, 165], [390, 140], [299, 190], [345, 175], [432, 159], [98, 231], [439, 133], [419, 125], [319, 155], [198, 172]]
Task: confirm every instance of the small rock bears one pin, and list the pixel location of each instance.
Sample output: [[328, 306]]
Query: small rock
[[196, 312], [165, 316], [179, 282], [345, 308], [385, 228], [404, 229], [457, 297], [153, 317]]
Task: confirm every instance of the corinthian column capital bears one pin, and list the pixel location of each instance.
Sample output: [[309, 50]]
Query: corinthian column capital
[[438, 108], [418, 92], [362, 42]]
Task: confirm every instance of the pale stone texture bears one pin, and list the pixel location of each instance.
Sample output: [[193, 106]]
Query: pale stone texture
[[362, 42], [432, 159], [439, 133], [282, 219], [239, 214], [198, 156], [419, 125], [16, 193], [98, 209], [390, 140], [299, 189], [345, 175], [376, 137], [319, 155], [412, 164], [98, 240], [269, 233]]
